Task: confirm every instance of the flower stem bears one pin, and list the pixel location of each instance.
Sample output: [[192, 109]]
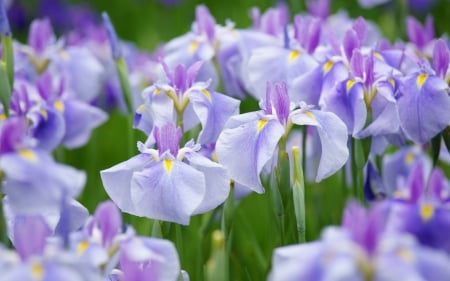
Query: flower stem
[[298, 193]]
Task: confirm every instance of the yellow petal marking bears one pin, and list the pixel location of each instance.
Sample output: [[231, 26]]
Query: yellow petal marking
[[349, 85], [327, 66], [214, 157], [59, 105], [2, 116], [44, 114], [140, 108], [157, 91], [168, 165], [206, 94], [310, 114], [261, 124], [193, 47], [378, 56], [28, 155], [409, 158], [293, 55], [37, 271], [392, 82], [82, 246], [421, 80], [426, 211]]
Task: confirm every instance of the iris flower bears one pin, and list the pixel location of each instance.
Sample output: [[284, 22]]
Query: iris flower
[[253, 137], [168, 183]]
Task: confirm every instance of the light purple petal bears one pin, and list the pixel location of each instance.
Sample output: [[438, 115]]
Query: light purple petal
[[170, 193], [441, 58], [272, 64], [423, 107], [213, 110], [109, 220], [333, 137], [80, 119], [216, 179], [244, 150], [28, 245], [117, 180]]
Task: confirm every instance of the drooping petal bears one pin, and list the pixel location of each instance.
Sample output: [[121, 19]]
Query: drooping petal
[[149, 259], [80, 119], [333, 137], [77, 63], [216, 179], [213, 110], [385, 119], [245, 149], [169, 190], [295, 262], [117, 180], [29, 196], [347, 102], [423, 107], [272, 64]]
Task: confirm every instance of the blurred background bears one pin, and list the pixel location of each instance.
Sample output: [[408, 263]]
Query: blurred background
[[148, 23]]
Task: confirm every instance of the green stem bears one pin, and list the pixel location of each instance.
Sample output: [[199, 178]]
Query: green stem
[[3, 228], [122, 72], [354, 169], [8, 58], [298, 193], [227, 228], [179, 242], [278, 205]]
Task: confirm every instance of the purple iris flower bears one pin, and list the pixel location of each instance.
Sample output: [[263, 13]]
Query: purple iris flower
[[74, 63], [286, 63], [153, 182], [253, 137], [234, 55], [60, 118], [360, 250], [99, 240], [165, 102], [42, 45], [422, 210], [21, 165], [198, 45], [40, 260]]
